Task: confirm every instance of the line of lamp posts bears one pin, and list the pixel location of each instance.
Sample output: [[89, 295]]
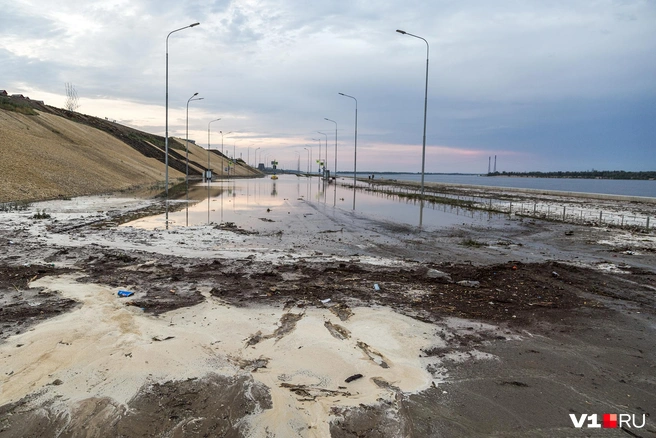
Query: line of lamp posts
[[355, 153]]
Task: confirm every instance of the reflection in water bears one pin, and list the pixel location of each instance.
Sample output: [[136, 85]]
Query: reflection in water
[[421, 213], [251, 198]]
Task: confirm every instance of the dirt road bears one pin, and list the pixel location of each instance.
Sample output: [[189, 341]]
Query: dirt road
[[320, 322]]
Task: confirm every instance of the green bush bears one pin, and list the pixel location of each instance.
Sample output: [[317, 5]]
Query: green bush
[[10, 105], [41, 215]]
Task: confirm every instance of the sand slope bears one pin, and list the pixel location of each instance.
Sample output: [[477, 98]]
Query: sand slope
[[48, 156]]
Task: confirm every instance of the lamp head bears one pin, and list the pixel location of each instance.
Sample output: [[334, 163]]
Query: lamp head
[[403, 32], [195, 94], [195, 24], [342, 94]]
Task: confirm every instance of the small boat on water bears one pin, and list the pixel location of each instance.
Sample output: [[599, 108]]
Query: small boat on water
[[274, 177]]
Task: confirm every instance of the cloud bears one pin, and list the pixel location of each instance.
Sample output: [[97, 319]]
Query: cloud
[[511, 76]]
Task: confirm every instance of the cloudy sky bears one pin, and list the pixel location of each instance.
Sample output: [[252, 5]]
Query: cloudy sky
[[543, 85]]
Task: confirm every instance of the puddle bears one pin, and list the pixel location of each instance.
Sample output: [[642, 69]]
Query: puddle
[[257, 204]]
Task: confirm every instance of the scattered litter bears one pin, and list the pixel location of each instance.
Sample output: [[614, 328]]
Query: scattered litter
[[125, 293], [569, 233], [160, 339], [376, 287], [326, 301], [470, 283], [555, 274], [353, 377]]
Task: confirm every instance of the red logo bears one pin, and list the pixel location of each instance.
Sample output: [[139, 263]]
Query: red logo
[[609, 421]]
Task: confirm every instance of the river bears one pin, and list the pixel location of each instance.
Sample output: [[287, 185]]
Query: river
[[604, 186]]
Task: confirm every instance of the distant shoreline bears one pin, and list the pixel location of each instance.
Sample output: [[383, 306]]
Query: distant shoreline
[[602, 175]]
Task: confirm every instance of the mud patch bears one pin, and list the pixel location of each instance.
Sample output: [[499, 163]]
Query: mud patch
[[212, 406], [287, 324], [21, 306], [337, 330]]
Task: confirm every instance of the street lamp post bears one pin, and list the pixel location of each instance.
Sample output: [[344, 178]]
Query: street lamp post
[[209, 167], [298, 161], [187, 152], [423, 150], [256, 156], [309, 159], [319, 140], [234, 159], [355, 154], [166, 137], [326, 162], [335, 169], [222, 165]]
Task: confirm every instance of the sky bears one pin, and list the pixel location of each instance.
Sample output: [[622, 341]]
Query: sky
[[541, 85]]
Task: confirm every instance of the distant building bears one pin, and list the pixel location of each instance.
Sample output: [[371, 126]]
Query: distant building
[[3, 93]]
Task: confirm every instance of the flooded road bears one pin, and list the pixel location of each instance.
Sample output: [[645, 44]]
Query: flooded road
[[251, 203], [292, 314]]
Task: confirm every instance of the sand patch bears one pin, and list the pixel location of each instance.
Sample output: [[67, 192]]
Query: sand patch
[[107, 350]]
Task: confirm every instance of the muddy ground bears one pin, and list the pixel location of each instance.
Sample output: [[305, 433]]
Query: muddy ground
[[536, 321]]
